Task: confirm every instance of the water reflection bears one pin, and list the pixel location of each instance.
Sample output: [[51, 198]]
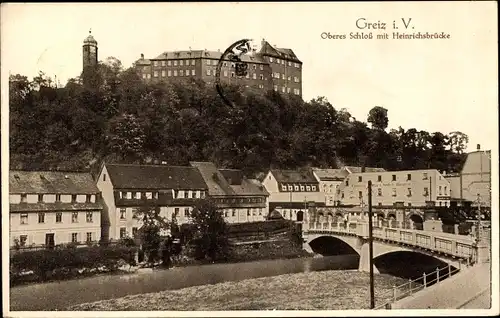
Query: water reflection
[[58, 295]]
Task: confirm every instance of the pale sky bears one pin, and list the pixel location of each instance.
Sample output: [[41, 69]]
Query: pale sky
[[433, 85]]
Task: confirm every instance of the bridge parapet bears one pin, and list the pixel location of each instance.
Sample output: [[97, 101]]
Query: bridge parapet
[[459, 246]]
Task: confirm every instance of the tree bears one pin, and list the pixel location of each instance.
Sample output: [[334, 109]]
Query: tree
[[152, 226], [378, 118], [126, 137], [458, 141], [210, 232]]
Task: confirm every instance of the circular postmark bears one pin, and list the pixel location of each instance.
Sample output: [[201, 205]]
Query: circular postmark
[[234, 55]]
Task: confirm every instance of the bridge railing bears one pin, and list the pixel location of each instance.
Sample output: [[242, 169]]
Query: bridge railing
[[413, 286], [456, 245]]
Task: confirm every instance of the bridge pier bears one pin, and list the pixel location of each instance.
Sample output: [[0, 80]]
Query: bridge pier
[[364, 259]]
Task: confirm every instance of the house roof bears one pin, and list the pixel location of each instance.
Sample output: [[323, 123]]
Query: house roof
[[295, 176], [195, 54], [242, 185], [217, 184], [130, 176], [330, 174], [268, 49], [51, 182], [353, 169], [143, 62]]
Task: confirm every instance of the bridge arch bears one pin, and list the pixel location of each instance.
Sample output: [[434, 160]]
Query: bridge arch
[[328, 245], [396, 262]]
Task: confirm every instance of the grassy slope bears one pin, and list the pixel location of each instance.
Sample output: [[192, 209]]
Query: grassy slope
[[326, 290]]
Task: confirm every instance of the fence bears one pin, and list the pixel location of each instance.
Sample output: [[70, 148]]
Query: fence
[[413, 286]]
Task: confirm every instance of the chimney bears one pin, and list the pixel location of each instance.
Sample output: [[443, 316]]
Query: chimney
[[478, 147], [142, 56]]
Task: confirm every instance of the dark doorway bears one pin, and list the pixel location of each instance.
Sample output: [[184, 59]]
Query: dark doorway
[[49, 240], [300, 216]]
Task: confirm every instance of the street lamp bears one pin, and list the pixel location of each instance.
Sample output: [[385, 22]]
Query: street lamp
[[370, 245]]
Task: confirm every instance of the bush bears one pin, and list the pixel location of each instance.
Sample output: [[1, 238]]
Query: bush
[[63, 262]]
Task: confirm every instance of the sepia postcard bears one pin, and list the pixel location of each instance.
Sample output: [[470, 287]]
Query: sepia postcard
[[249, 159]]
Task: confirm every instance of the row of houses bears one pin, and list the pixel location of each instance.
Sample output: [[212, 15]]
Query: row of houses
[[51, 207]]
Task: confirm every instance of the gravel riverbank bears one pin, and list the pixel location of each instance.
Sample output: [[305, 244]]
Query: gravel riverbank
[[325, 290]]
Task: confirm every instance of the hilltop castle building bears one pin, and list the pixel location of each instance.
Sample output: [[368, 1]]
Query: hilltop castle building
[[270, 68]]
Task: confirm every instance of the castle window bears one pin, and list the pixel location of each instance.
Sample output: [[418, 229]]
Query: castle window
[[283, 89], [169, 63], [379, 178], [288, 89], [276, 88], [225, 73], [193, 62], [208, 72], [289, 78], [193, 72], [261, 86], [155, 73], [379, 192], [360, 179], [187, 72], [393, 177], [181, 62], [175, 73], [181, 73], [163, 73], [162, 63], [155, 63], [261, 67], [208, 62], [169, 73], [175, 63], [408, 177], [254, 76], [271, 59]]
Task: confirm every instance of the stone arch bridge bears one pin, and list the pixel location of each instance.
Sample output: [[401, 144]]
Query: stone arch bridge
[[449, 248]]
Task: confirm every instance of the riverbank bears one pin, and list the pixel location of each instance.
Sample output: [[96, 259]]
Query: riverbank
[[271, 250], [324, 290]]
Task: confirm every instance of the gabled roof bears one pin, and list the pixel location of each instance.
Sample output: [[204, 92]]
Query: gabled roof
[[214, 179], [130, 176], [330, 174], [268, 49], [51, 182], [294, 176], [242, 185], [143, 62], [179, 55]]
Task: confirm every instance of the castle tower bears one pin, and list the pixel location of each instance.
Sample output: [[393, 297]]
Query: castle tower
[[89, 50]]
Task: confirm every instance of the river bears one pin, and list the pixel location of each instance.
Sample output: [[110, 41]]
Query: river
[[59, 295]]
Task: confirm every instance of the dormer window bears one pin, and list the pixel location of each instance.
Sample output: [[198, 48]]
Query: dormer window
[[58, 198], [73, 198], [40, 198]]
